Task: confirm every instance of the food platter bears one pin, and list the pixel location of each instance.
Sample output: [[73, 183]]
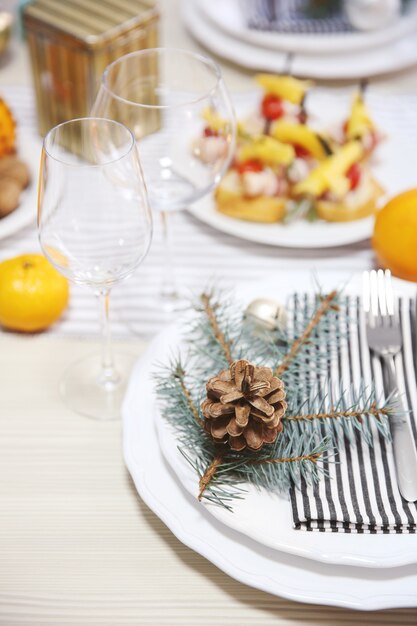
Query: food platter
[[392, 166]]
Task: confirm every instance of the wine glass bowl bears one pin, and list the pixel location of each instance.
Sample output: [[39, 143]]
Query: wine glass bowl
[[165, 97], [92, 219], [95, 227]]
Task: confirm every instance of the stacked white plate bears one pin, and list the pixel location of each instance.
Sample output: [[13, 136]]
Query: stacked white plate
[[350, 570], [221, 27]]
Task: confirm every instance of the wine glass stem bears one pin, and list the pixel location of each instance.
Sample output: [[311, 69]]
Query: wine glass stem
[[169, 287], [108, 376]]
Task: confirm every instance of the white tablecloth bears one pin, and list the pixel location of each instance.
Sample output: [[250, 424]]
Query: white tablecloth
[[202, 256]]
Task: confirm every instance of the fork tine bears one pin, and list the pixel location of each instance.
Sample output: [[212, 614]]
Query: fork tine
[[389, 293], [374, 293], [366, 292], [382, 293]]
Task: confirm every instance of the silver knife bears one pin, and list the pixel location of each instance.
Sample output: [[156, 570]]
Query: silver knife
[[383, 331], [405, 452]]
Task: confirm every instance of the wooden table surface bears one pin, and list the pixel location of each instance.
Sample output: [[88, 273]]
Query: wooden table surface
[[77, 545]]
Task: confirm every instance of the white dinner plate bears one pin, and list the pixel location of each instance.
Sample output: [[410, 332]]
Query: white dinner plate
[[393, 166], [30, 152], [390, 57], [238, 556], [257, 508], [228, 16]]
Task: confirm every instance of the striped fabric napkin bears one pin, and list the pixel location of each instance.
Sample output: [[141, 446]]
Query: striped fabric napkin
[[360, 493], [296, 16]]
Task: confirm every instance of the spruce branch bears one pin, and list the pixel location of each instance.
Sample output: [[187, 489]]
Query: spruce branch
[[209, 474], [326, 305], [357, 414], [312, 458], [210, 311], [179, 374]]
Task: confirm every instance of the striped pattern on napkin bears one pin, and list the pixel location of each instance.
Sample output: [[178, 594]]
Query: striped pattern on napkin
[[294, 16], [360, 493]]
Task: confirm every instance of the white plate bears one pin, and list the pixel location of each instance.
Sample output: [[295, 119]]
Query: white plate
[[30, 152], [391, 57], [229, 17], [338, 548], [245, 560], [393, 166]]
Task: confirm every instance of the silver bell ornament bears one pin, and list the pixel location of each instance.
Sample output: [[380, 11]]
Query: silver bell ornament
[[267, 314]]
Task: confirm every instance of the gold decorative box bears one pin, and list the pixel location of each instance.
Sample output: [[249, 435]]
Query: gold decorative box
[[72, 41]]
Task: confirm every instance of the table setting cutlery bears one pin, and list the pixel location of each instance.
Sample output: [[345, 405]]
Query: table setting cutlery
[[385, 341]]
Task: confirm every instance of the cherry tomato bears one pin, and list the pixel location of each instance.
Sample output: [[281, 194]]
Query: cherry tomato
[[272, 107], [209, 132], [249, 166], [301, 152], [354, 175]]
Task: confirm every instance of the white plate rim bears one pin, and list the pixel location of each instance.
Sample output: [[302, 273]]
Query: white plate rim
[[205, 538], [277, 234]]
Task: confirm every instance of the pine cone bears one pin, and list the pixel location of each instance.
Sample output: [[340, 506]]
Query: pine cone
[[244, 406]]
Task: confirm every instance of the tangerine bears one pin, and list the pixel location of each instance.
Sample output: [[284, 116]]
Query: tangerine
[[395, 235], [33, 294]]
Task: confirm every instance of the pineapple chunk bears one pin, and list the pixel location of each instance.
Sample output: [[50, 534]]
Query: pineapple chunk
[[214, 120], [300, 134], [267, 150], [359, 122], [285, 87], [330, 174]]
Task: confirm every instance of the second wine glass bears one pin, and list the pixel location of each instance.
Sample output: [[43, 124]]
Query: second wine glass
[[177, 106]]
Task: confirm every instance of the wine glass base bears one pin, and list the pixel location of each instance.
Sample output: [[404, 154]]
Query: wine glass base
[[173, 301], [83, 392]]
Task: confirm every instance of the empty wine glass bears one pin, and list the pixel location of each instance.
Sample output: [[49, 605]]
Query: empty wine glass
[[177, 106], [95, 227]]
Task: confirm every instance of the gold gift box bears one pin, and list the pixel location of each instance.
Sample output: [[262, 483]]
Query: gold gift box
[[72, 41]]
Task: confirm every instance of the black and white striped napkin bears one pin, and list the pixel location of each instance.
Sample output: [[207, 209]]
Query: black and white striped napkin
[[360, 493], [295, 16]]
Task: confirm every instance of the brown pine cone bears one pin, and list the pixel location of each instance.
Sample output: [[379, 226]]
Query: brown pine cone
[[244, 406]]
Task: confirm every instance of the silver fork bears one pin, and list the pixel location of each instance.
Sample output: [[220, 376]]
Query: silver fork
[[385, 341]]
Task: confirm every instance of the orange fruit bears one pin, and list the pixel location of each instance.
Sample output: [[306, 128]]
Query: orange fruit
[[395, 235], [7, 130], [33, 294]]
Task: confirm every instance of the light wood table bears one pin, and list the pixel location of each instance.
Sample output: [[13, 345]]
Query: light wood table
[[77, 545]]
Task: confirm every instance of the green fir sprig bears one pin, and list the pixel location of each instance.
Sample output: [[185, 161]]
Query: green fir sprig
[[321, 415]]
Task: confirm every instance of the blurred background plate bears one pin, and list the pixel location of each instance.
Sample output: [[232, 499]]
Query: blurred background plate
[[30, 152], [229, 17], [383, 59]]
